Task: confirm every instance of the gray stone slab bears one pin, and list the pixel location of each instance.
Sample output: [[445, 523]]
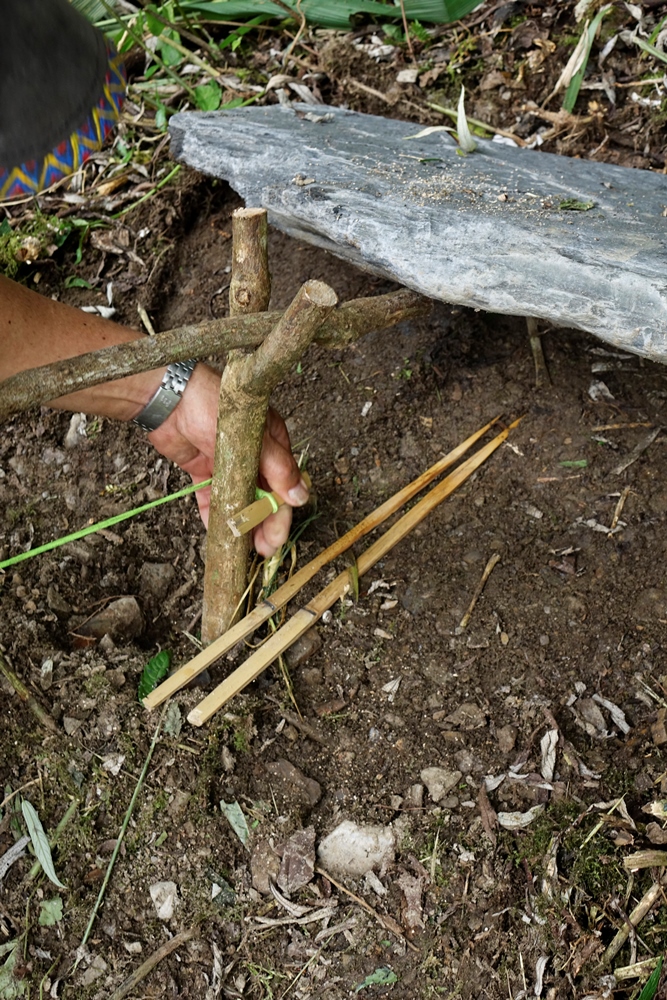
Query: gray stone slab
[[483, 230]]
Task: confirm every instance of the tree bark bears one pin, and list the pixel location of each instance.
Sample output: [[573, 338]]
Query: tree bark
[[235, 467], [245, 389], [354, 319]]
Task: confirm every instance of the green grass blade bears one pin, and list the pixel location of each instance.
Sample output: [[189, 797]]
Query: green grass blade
[[40, 842], [652, 983], [335, 13], [574, 87], [92, 528]]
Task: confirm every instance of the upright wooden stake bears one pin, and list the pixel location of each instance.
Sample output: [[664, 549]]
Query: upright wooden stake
[[234, 477], [245, 389]]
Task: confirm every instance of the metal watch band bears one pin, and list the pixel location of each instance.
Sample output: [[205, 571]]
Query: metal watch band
[[168, 396]]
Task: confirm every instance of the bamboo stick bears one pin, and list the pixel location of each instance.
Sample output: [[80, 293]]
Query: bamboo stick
[[341, 585], [258, 511], [347, 324], [283, 594]]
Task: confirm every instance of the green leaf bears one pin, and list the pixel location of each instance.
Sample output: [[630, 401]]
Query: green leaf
[[652, 983], [208, 96], [161, 117], [381, 977], [578, 463], [236, 819], [334, 13], [572, 205], [50, 912], [73, 281], [40, 842], [574, 86], [155, 670], [10, 987]]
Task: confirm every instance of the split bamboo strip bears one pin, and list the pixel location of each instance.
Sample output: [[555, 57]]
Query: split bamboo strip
[[283, 594], [258, 511], [339, 587]]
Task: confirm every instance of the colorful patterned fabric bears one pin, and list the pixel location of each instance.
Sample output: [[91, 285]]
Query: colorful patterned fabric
[[37, 175]]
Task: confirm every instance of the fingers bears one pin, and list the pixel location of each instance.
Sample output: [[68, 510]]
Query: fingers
[[277, 465], [272, 533]]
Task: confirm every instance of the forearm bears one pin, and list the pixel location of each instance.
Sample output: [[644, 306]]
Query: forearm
[[35, 330]]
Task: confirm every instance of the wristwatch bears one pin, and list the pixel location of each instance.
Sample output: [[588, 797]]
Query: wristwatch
[[168, 396]]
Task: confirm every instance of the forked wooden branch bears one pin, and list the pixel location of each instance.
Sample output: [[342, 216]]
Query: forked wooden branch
[[240, 428], [244, 396], [285, 593], [351, 321], [306, 616]]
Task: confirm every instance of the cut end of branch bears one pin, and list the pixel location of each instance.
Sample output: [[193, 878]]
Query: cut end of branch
[[320, 294], [248, 213]]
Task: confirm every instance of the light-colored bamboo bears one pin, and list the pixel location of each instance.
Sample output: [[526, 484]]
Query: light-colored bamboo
[[283, 594], [258, 511], [339, 587]]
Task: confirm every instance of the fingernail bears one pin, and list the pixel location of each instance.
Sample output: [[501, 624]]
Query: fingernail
[[299, 494]]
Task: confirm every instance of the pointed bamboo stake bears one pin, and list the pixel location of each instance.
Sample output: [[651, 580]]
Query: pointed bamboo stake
[[283, 594], [339, 587]]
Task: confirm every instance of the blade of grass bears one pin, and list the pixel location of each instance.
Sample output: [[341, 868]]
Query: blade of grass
[[92, 528], [588, 36]]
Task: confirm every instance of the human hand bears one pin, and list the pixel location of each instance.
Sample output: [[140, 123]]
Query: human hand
[[187, 437]]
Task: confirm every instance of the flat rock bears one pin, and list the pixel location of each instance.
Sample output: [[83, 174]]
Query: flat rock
[[156, 579], [506, 737], [508, 230], [467, 716], [439, 781], [298, 864], [264, 867], [293, 780], [351, 849], [122, 619], [303, 648]]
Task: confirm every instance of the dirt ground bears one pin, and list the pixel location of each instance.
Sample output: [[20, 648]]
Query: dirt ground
[[566, 639]]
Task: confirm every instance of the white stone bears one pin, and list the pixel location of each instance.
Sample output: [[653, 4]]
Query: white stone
[[351, 849], [165, 899]]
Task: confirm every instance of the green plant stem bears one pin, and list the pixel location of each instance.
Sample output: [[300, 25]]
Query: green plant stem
[[25, 696], [121, 835], [149, 194], [71, 809], [92, 528]]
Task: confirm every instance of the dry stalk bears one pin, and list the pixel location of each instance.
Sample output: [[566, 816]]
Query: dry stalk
[[542, 376], [645, 904], [40, 714], [488, 569], [353, 320], [162, 952]]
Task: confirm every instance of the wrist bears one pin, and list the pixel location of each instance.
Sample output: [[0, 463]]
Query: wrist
[[167, 396]]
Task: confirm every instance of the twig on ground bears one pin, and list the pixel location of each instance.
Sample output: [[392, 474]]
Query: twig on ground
[[280, 597], [42, 717], [636, 452], [298, 723], [348, 323], [488, 569], [645, 904], [119, 840], [163, 951], [384, 920], [406, 28], [8, 798], [618, 510]]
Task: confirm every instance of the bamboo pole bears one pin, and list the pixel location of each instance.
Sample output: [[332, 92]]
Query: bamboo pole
[[287, 591], [244, 398], [240, 428], [351, 321], [306, 617]]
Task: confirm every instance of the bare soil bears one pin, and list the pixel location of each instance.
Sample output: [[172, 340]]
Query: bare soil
[[569, 612]]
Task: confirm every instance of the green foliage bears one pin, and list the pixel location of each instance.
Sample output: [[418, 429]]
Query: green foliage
[[208, 96], [653, 982], [333, 13], [40, 842], [588, 37], [155, 670], [381, 977], [10, 987], [50, 912], [37, 239]]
